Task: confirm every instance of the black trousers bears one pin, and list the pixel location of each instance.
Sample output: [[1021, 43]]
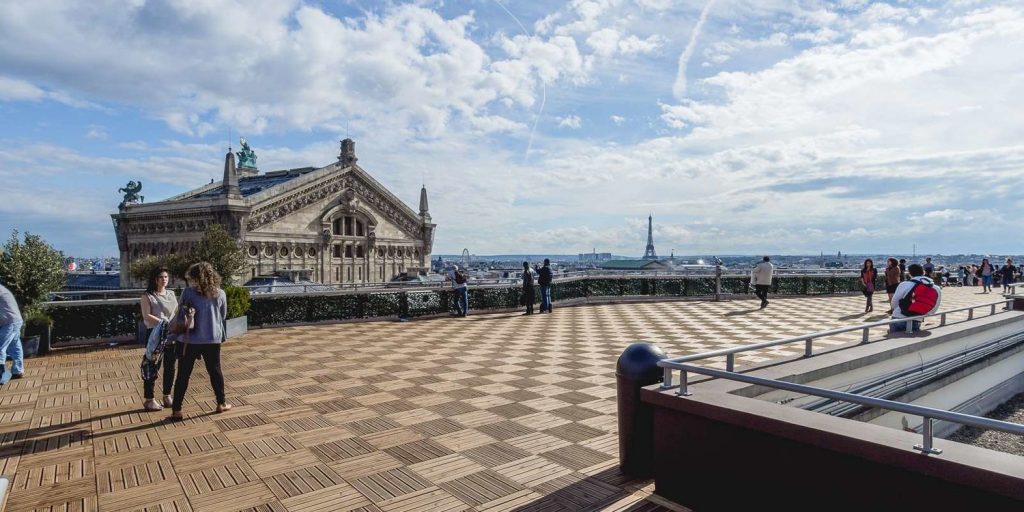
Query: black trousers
[[170, 358], [186, 361], [528, 298], [761, 290]]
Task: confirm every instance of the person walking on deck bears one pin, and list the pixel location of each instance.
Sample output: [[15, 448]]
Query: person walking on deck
[[868, 276], [761, 279]]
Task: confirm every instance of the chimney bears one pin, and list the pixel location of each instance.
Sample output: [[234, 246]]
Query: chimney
[[230, 182], [348, 153]]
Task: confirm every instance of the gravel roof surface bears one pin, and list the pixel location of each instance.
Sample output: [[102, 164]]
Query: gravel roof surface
[[1011, 411]]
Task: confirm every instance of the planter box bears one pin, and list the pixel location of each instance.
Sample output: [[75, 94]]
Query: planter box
[[236, 327], [30, 345]]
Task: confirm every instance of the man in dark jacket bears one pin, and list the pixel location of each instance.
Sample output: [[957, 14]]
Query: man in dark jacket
[[529, 276], [544, 280]]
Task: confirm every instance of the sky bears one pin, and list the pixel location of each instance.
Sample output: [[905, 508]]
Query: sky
[[743, 126]]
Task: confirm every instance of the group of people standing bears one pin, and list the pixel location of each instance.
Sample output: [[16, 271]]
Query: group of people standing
[[543, 277], [985, 274], [181, 332], [532, 278], [896, 272]]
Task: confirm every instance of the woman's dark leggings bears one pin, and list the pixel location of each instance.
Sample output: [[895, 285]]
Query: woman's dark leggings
[[187, 359], [170, 357]]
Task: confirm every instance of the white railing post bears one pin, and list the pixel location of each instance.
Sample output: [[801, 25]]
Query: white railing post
[[666, 380], [926, 443], [942, 320], [808, 347], [730, 362], [864, 337], [970, 314], [993, 309], [683, 390]]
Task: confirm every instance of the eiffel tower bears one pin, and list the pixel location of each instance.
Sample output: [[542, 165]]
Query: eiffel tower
[[649, 253]]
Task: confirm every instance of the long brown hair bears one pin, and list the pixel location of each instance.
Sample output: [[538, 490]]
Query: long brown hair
[[891, 262], [204, 279]]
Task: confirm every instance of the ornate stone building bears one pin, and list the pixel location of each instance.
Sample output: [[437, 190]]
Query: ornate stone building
[[333, 224]]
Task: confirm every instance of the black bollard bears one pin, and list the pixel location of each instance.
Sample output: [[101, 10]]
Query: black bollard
[[637, 367]]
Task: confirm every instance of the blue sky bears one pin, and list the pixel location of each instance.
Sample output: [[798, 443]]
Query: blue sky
[[745, 126]]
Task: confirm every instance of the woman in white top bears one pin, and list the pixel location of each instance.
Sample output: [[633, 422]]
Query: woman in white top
[[159, 303]]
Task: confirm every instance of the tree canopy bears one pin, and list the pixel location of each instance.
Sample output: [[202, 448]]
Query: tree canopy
[[216, 247], [31, 269]]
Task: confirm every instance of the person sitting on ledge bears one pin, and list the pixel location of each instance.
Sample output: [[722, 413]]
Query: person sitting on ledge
[[915, 297]]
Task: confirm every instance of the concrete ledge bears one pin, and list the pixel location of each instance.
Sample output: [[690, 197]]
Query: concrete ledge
[[784, 457]]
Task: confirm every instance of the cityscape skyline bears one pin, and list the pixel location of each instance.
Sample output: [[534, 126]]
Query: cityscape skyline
[[745, 127]]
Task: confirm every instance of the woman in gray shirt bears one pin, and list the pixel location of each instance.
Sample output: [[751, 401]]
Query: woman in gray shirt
[[159, 303], [205, 302]]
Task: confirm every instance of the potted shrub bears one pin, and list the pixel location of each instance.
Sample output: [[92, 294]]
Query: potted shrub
[[38, 326], [237, 323]]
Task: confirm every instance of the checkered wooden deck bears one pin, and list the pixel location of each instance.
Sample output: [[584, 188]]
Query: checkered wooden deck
[[489, 412]]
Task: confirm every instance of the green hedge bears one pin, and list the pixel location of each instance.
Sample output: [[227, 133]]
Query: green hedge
[[72, 322], [107, 321]]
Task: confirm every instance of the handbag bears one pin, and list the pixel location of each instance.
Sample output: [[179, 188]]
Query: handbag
[[184, 321]]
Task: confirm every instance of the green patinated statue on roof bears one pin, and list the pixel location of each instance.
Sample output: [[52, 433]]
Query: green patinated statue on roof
[[246, 157]]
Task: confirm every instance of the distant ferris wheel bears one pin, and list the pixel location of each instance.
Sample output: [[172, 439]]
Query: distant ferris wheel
[[465, 258]]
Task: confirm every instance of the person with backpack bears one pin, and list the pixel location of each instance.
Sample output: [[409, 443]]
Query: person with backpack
[[917, 296], [544, 277], [529, 276], [460, 286], [985, 271], [159, 304], [868, 276]]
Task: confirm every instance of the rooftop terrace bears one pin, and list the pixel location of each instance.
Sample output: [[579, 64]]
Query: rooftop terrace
[[489, 412]]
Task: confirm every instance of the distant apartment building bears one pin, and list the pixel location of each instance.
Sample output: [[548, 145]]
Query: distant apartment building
[[593, 257]]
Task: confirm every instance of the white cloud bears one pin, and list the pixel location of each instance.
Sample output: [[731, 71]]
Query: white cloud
[[12, 89], [408, 65], [618, 119], [570, 121], [96, 133]]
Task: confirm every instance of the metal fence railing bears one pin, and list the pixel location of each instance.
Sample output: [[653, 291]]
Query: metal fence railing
[[929, 414], [684, 366]]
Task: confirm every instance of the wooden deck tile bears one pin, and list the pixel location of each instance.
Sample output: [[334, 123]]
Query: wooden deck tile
[[337, 498]]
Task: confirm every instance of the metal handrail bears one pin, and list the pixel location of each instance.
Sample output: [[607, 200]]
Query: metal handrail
[[808, 339], [302, 288], [928, 414]]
